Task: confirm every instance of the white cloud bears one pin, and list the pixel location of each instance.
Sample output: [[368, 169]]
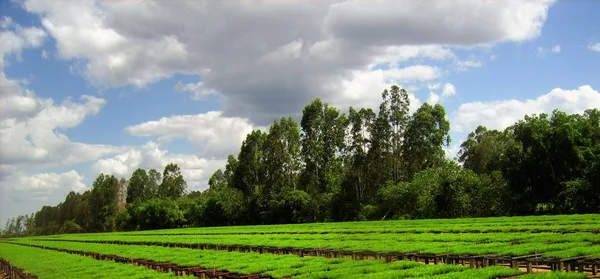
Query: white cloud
[[29, 125], [196, 171], [212, 134], [198, 90], [22, 193], [433, 98], [393, 55], [364, 89], [464, 22], [36, 140], [44, 54], [501, 114], [541, 51], [13, 41], [493, 57], [449, 90], [434, 86], [284, 53], [6, 22], [471, 62], [412, 73], [594, 47]]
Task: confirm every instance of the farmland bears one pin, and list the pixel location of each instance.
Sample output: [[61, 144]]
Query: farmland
[[445, 248]]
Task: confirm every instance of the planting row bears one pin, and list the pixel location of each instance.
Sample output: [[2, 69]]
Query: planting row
[[558, 223], [580, 264], [280, 266], [548, 245], [49, 264]]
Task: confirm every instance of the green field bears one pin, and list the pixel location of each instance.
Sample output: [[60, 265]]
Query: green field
[[542, 237]]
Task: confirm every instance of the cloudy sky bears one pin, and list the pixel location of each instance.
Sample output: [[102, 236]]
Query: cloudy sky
[[89, 87]]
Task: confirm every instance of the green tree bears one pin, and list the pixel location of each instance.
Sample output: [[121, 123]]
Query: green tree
[[249, 173], [173, 185], [482, 151], [323, 135], [425, 137], [103, 203], [281, 159], [137, 189]]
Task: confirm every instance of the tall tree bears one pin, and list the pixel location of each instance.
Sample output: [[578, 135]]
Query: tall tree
[[138, 187], [425, 138], [379, 154], [358, 148], [173, 185], [481, 152], [103, 203], [323, 134], [154, 180], [399, 117], [249, 173], [282, 156]]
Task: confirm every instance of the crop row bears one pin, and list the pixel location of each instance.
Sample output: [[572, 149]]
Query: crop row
[[557, 223], [306, 268], [513, 238], [560, 246], [280, 266], [49, 264]]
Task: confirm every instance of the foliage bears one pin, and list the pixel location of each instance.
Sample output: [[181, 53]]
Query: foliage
[[363, 165]]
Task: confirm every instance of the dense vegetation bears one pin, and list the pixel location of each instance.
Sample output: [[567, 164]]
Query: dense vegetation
[[51, 264], [558, 236], [362, 165], [280, 266]]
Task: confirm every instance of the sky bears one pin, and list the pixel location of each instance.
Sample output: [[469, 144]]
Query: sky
[[89, 87]]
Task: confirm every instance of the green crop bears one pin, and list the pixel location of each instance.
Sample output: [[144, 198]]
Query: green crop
[[554, 275], [48, 264], [275, 265], [508, 244]]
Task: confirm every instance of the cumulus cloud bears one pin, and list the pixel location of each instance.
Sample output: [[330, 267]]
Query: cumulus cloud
[[364, 88], [433, 98], [594, 47], [198, 90], [501, 114], [22, 193], [195, 170], [212, 134], [449, 90], [541, 51], [269, 58], [36, 140], [471, 62], [29, 125], [464, 22]]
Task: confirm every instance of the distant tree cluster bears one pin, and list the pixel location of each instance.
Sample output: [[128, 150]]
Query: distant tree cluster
[[361, 165]]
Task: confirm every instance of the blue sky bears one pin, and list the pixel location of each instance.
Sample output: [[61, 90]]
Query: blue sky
[[177, 83]]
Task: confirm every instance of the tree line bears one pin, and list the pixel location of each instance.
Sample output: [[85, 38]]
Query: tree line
[[359, 165]]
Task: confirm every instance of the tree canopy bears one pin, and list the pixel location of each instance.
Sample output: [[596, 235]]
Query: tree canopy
[[359, 165]]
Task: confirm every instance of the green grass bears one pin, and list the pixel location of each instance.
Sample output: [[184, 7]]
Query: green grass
[[48, 264]]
